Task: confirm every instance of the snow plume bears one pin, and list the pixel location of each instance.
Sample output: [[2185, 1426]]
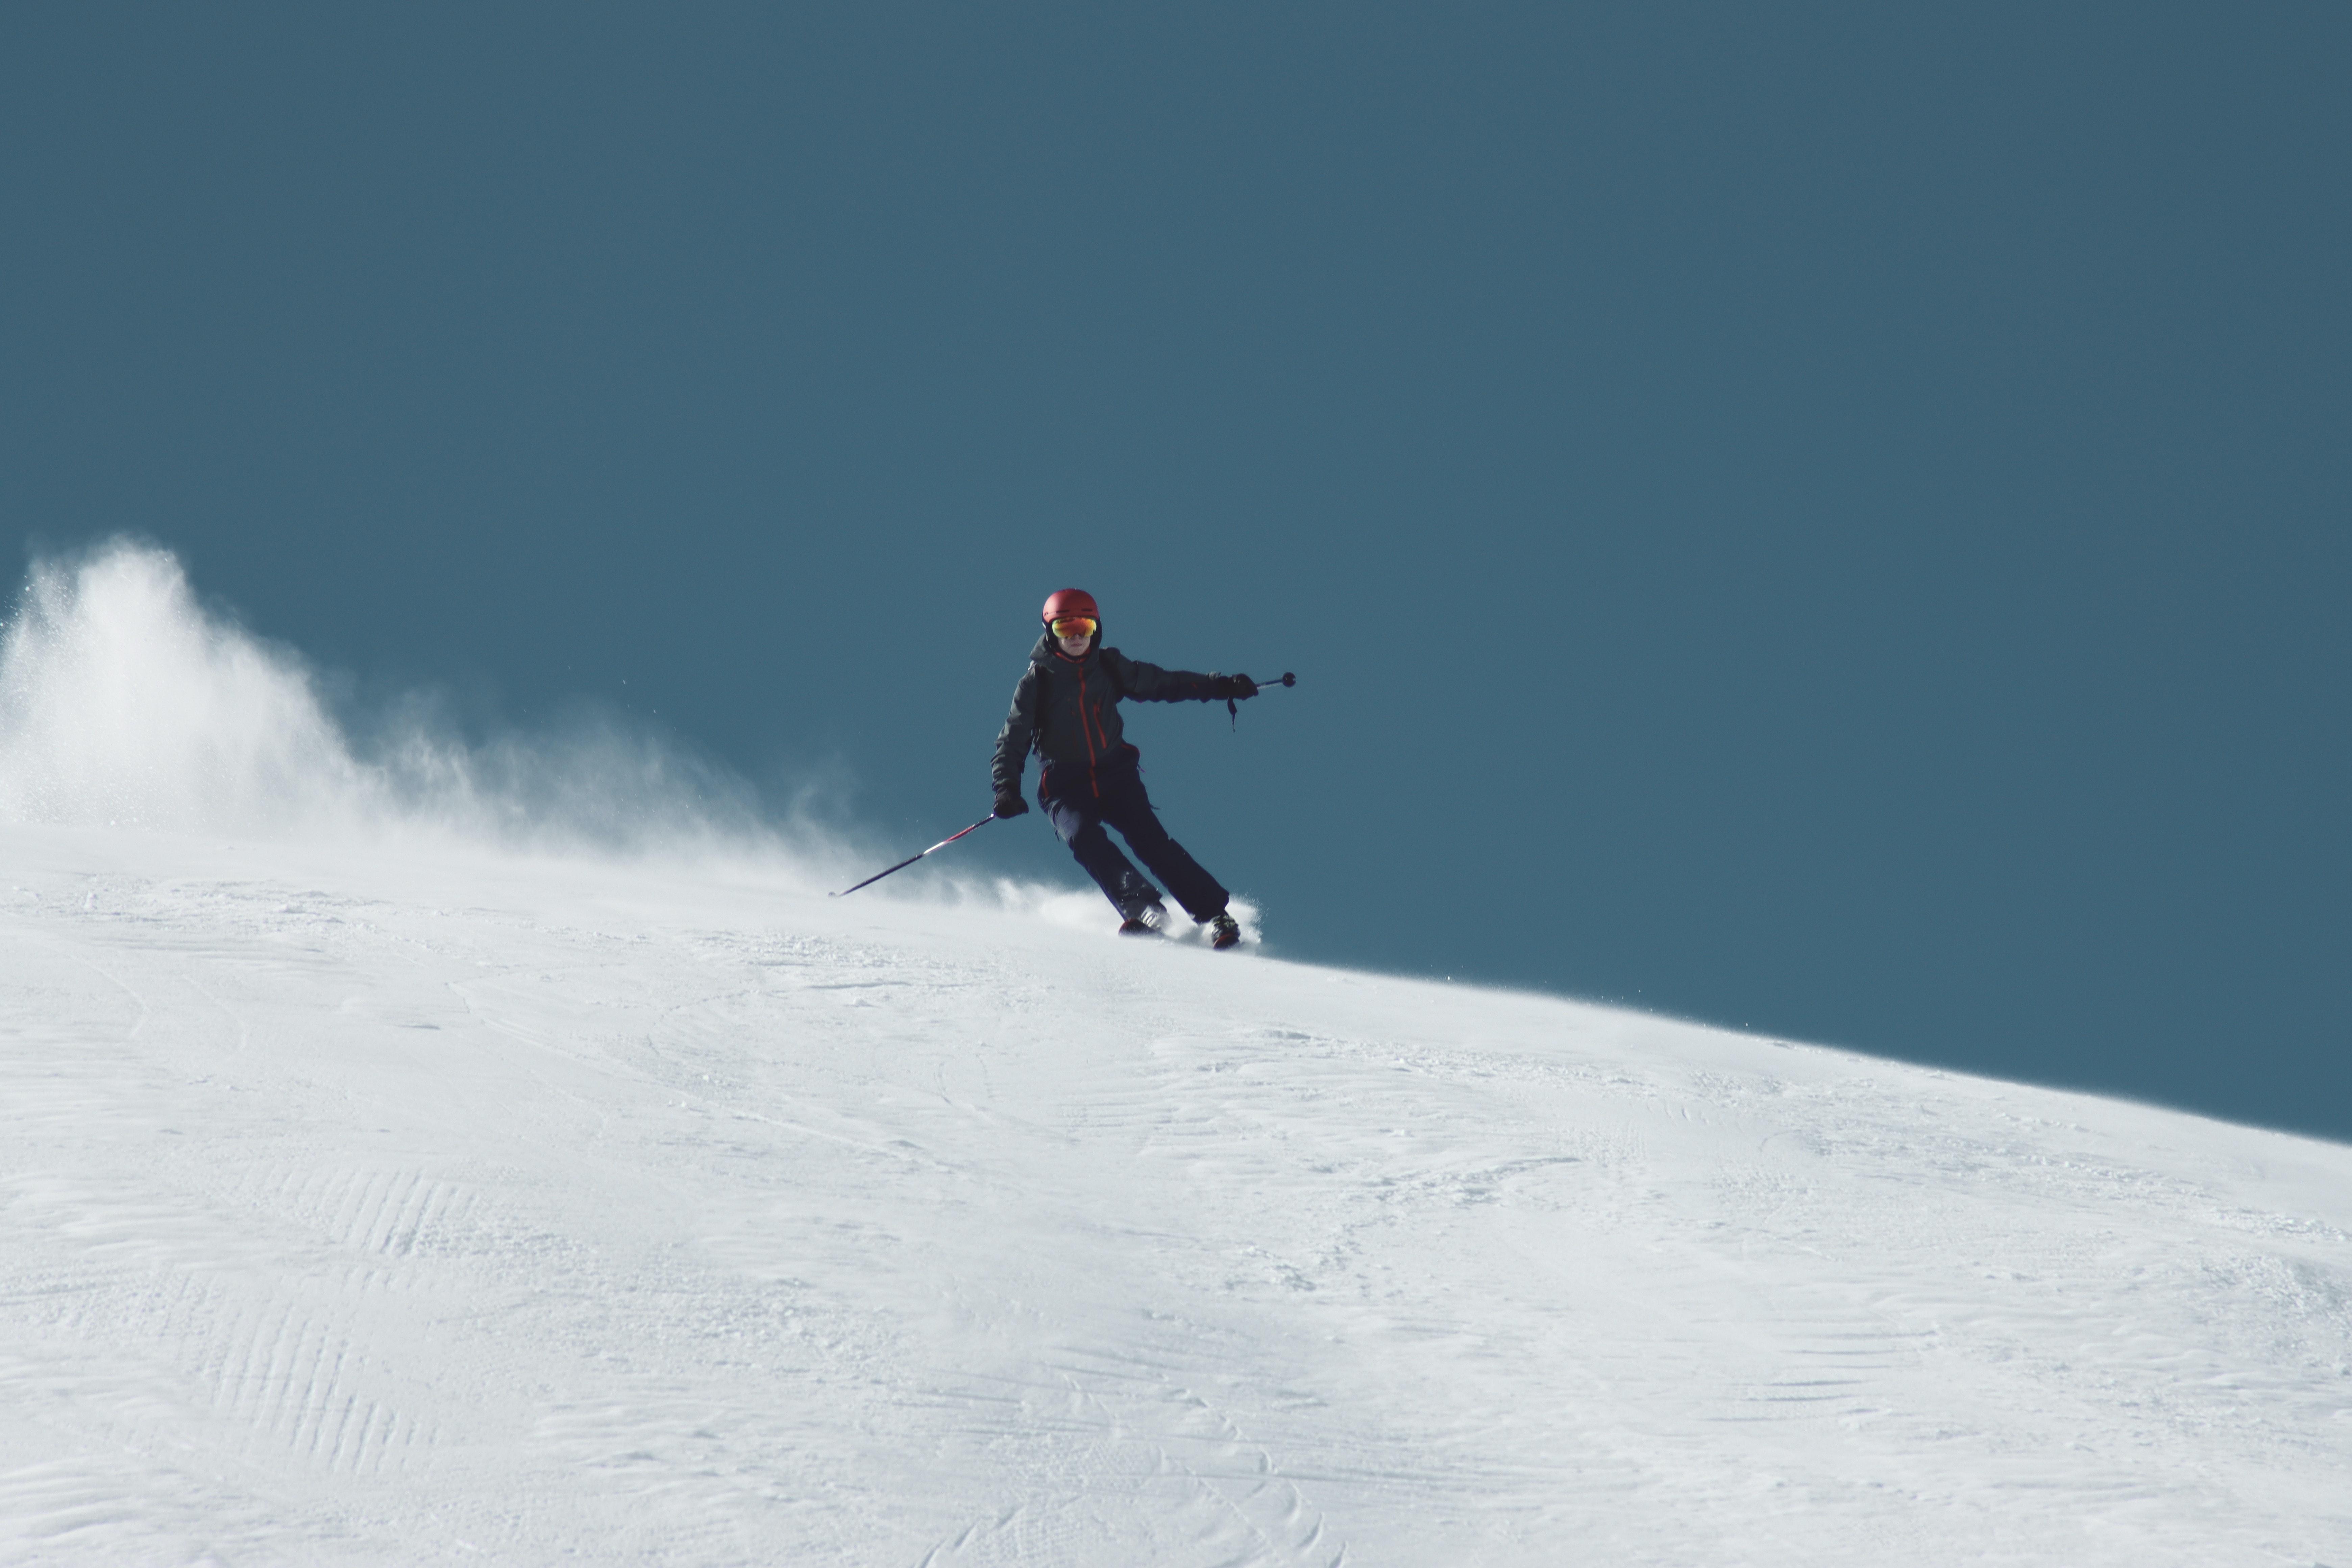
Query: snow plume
[[124, 702]]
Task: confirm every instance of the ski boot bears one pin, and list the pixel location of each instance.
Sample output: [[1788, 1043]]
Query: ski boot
[[1222, 930], [1145, 921]]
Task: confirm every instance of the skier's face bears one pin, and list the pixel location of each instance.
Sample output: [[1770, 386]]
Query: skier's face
[[1075, 643]]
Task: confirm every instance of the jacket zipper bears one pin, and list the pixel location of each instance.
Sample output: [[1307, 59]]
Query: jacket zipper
[[1086, 726], [1094, 759]]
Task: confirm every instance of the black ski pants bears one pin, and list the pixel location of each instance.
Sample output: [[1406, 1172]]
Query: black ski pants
[[1080, 802]]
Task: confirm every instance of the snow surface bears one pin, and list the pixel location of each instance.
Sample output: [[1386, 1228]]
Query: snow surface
[[398, 1206], [375, 1195]]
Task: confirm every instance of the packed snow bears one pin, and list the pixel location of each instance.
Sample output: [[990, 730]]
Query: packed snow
[[380, 1183]]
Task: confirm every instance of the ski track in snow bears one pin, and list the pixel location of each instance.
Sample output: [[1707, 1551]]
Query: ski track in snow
[[370, 1208]]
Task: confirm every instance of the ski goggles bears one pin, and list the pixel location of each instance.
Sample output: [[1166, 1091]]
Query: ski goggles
[[1075, 626]]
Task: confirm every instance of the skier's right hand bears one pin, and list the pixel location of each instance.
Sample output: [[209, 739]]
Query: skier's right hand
[[1010, 804]]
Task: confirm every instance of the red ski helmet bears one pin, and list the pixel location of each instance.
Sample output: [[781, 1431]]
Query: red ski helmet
[[1071, 601]]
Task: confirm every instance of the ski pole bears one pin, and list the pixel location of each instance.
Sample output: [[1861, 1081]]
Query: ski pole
[[1233, 710], [912, 858]]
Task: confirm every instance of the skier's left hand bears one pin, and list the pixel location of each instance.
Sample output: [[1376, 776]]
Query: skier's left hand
[[1230, 685]]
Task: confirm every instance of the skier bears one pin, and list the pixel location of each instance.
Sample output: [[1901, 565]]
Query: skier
[[1066, 709]]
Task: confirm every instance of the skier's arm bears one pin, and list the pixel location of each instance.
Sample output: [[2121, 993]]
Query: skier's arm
[[1149, 683], [1013, 741]]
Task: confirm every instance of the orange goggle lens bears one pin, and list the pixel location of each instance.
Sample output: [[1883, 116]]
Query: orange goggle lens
[[1074, 627]]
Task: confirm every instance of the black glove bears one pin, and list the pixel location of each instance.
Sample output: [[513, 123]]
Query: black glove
[[1010, 804], [1232, 685]]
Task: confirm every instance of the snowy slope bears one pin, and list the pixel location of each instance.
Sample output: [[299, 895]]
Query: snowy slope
[[372, 1194], [415, 1204]]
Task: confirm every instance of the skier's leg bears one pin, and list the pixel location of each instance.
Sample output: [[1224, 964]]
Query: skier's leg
[[1121, 883], [1127, 808]]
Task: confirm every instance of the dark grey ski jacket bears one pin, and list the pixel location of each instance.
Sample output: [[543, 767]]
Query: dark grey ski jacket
[[1066, 709]]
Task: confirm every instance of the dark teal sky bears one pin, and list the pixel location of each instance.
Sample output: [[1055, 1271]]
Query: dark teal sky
[[1840, 524]]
